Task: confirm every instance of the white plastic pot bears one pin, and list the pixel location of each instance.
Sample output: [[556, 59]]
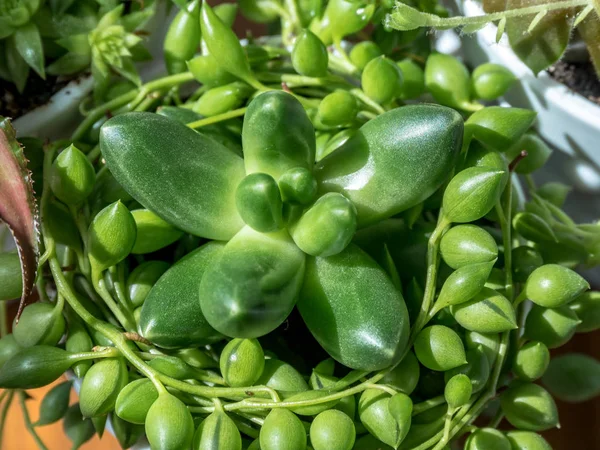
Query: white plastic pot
[[567, 120]]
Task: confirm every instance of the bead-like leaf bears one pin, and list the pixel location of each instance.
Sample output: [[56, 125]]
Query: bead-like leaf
[[463, 284], [17, 205]]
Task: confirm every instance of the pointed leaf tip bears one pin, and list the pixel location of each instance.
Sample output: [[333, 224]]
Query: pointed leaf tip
[[18, 208]]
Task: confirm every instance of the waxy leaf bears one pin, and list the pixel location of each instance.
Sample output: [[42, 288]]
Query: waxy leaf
[[573, 377], [529, 407], [184, 177], [375, 334], [417, 144], [487, 312], [498, 127], [463, 284], [171, 316], [17, 205]]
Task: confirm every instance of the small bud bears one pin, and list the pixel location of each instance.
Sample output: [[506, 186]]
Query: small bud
[[439, 348], [477, 369], [221, 99], [552, 285], [363, 52], [467, 244], [487, 312], [153, 233], [447, 79], [382, 80], [242, 362], [332, 430], [134, 401], [309, 56], [101, 386], [40, 324], [458, 391], [298, 185], [112, 235], [552, 326], [487, 439], [472, 193], [259, 203], [169, 423], [490, 81], [338, 108], [587, 308], [414, 79], [518, 402], [327, 227], [72, 176]]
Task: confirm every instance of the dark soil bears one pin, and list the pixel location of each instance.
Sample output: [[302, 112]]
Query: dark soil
[[37, 92], [578, 76]]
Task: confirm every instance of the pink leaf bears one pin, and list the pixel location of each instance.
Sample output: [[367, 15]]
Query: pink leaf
[[18, 207]]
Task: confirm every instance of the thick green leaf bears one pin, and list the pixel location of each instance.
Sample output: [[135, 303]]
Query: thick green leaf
[[253, 285], [182, 176], [416, 144], [573, 377], [171, 315], [375, 334], [544, 45]]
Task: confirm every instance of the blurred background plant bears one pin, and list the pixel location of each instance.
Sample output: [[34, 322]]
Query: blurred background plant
[[539, 31], [66, 37]]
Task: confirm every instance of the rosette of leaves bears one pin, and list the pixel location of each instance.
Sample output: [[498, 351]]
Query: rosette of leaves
[[66, 37], [538, 30]]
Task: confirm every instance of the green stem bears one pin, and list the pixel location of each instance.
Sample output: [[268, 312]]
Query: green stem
[[360, 95], [124, 318], [431, 20], [432, 268], [82, 227], [118, 276], [418, 408], [28, 424], [131, 96], [218, 118]]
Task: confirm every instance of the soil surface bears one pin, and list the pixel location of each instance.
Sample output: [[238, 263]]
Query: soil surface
[[578, 76], [37, 92]]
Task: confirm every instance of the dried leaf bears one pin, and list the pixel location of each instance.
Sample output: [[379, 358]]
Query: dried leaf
[[18, 208]]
